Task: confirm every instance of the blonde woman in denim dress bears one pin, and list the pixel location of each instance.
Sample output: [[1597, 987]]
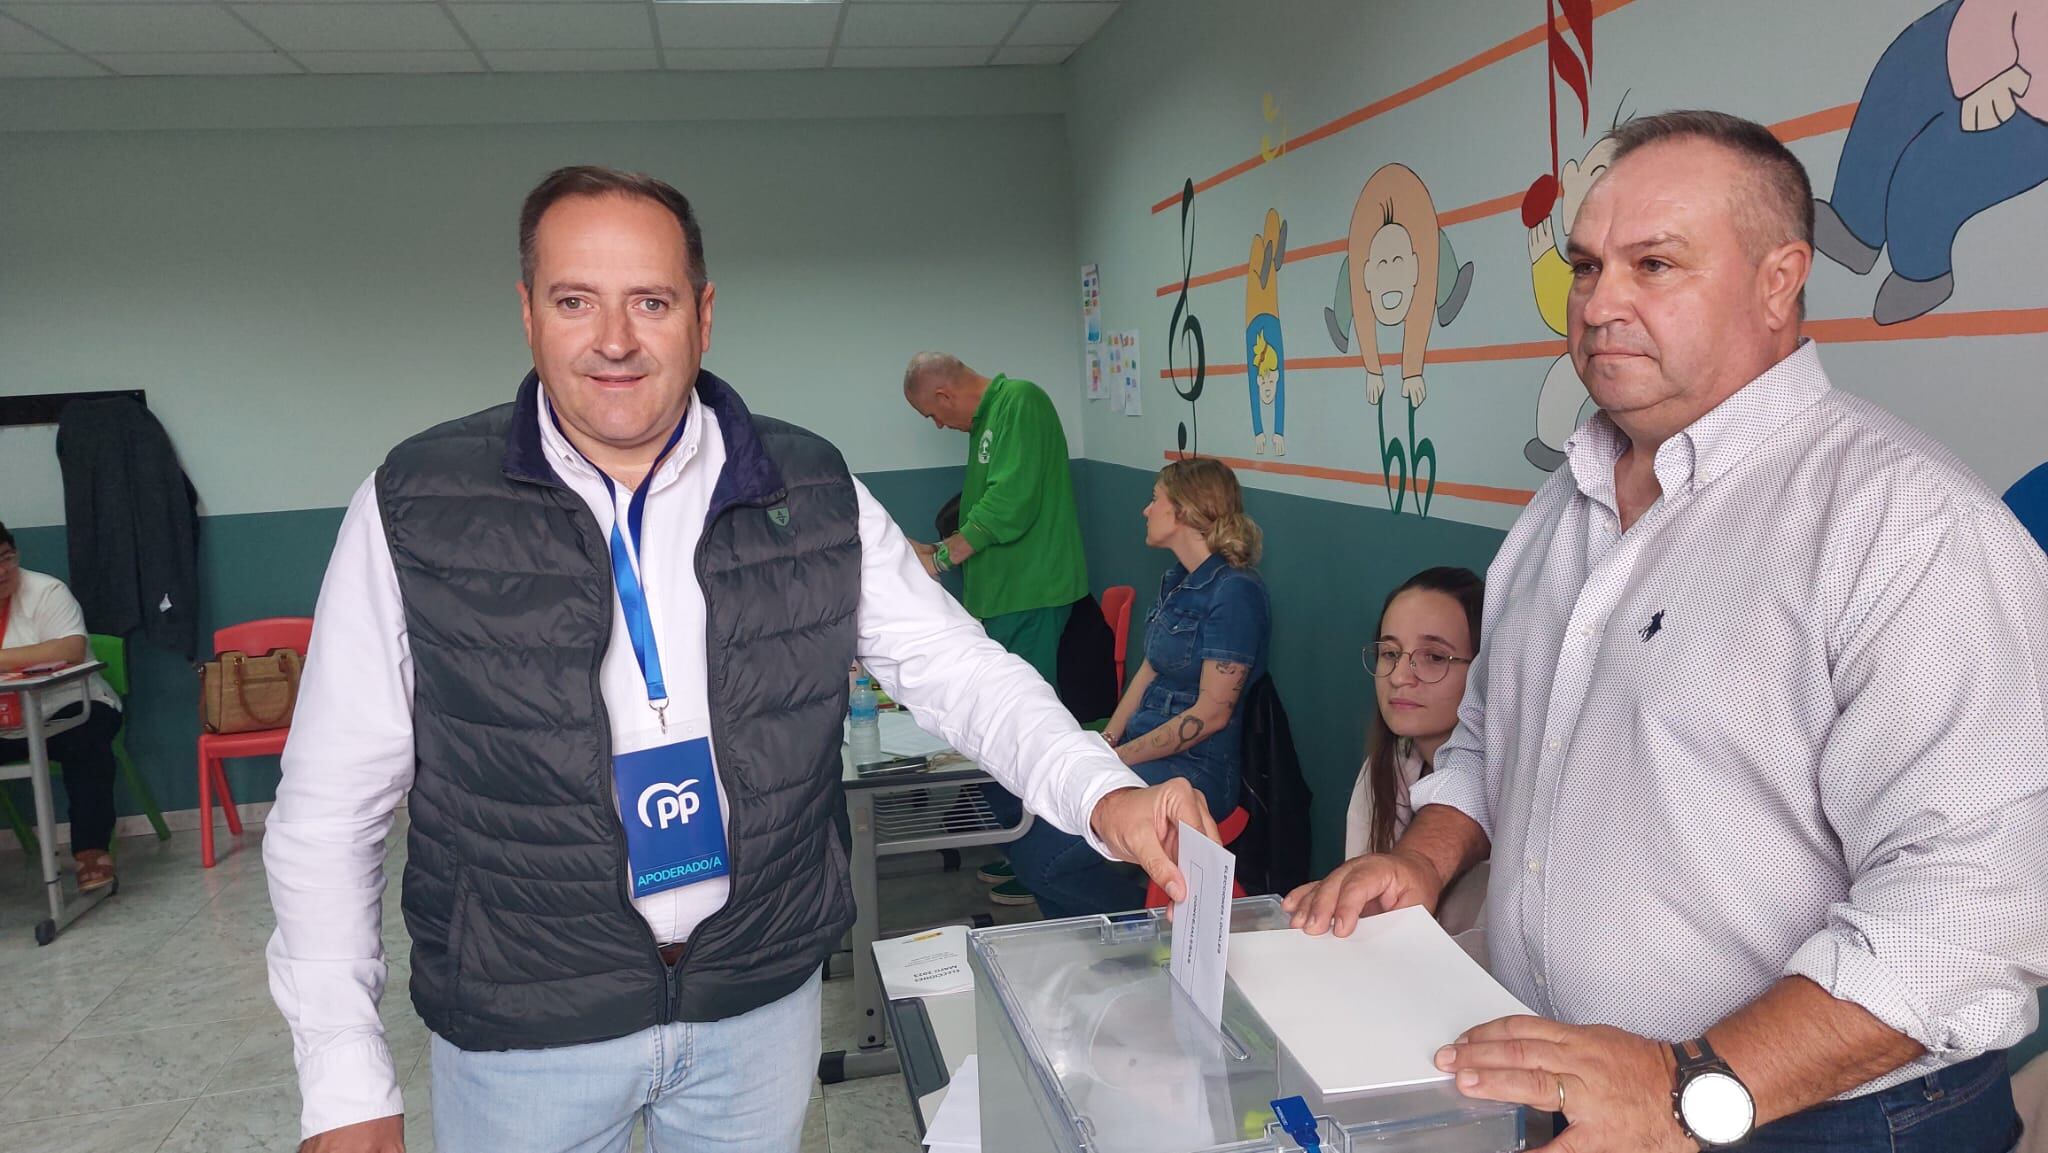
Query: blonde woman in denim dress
[[1182, 716]]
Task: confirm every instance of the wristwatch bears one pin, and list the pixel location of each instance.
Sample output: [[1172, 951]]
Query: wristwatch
[[1711, 1103]]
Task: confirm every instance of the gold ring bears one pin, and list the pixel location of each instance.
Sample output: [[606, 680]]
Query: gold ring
[[1560, 1091]]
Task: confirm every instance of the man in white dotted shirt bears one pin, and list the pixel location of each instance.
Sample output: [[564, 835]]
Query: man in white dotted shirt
[[1758, 741]]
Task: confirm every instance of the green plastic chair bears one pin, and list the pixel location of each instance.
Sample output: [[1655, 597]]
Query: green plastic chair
[[113, 653]]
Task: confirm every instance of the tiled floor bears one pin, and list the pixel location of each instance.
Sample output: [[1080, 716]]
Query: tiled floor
[[148, 1025]]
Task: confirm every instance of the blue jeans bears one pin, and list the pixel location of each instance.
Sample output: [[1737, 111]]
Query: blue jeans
[[741, 1085], [1909, 176], [1964, 1108], [1070, 879]]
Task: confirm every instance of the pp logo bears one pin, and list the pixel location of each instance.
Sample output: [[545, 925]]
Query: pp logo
[[671, 803]]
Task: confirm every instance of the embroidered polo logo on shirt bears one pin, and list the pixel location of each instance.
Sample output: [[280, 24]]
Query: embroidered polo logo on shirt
[[1655, 626], [780, 515], [988, 440]]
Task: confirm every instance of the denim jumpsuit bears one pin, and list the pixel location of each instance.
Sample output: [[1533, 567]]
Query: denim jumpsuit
[[1216, 613]]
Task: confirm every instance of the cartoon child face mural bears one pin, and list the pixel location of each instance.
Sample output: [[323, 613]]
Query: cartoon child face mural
[[1265, 358], [1953, 121], [1389, 272], [1575, 178], [1563, 403], [1396, 258], [1396, 255]]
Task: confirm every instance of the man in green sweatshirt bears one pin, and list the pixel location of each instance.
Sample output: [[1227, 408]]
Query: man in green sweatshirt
[[1019, 544]]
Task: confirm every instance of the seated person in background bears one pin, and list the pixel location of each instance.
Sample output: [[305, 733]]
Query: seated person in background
[[1205, 643], [1428, 635], [40, 622]]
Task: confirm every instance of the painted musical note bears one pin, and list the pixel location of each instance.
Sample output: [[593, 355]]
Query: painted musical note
[[1184, 331], [1577, 75]]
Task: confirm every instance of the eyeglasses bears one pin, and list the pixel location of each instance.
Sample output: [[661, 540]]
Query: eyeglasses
[[1430, 665], [9, 559]]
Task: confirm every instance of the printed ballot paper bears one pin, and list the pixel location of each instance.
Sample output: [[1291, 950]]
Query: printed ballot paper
[[925, 964], [1368, 1011], [1201, 921]]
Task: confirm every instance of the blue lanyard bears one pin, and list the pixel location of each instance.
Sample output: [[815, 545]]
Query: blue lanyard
[[626, 578]]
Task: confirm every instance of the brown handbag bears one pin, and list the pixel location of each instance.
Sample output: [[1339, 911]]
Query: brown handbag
[[239, 693]]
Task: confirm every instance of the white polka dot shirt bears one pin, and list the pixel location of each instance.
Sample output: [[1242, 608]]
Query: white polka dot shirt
[[1794, 721]]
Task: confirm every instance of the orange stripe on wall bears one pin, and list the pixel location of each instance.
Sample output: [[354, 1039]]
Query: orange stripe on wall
[[1836, 119], [1408, 95], [1851, 330], [1482, 492], [1524, 350], [1933, 326]]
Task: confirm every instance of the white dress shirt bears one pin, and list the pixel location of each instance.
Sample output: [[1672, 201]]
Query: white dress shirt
[[44, 610], [350, 758], [1794, 721]]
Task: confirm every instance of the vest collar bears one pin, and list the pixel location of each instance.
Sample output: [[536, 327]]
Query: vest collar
[[750, 474]]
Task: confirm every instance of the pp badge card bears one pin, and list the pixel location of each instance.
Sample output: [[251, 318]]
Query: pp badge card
[[668, 803]]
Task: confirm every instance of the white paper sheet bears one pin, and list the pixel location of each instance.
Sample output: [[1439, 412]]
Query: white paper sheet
[[1201, 922], [902, 738], [1367, 1011], [925, 964], [957, 1123]]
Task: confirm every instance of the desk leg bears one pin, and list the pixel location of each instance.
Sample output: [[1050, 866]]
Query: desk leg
[[872, 1057], [46, 816], [867, 922], [46, 827]]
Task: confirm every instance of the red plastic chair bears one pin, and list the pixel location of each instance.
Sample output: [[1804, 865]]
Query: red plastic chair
[[257, 638], [1227, 833], [1116, 609]]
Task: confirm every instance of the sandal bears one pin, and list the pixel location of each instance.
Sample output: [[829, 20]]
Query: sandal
[[95, 870]]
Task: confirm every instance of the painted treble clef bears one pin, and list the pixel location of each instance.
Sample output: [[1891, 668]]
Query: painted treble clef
[[1184, 331]]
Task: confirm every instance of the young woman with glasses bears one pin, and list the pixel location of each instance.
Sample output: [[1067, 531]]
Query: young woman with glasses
[[1428, 635]]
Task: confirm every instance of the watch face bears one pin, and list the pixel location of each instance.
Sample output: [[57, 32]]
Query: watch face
[[1717, 1108]]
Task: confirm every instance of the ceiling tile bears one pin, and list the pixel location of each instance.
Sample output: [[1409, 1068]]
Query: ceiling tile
[[574, 60], [15, 64], [927, 25], [748, 25], [16, 37], [910, 57], [353, 27], [735, 59], [197, 63], [1034, 54], [1061, 23], [536, 27], [389, 62], [150, 29]]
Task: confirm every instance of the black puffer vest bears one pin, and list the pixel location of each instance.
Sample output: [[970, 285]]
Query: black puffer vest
[[524, 936]]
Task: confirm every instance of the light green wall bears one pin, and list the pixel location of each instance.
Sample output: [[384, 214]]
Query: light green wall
[[304, 273]]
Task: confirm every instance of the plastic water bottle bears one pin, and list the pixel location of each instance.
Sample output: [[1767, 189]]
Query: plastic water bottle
[[864, 732]]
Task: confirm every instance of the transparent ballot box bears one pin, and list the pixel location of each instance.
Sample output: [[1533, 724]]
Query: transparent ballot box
[[1086, 1043]]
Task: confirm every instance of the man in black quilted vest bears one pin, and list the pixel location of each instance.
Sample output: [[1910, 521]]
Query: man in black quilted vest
[[597, 639]]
